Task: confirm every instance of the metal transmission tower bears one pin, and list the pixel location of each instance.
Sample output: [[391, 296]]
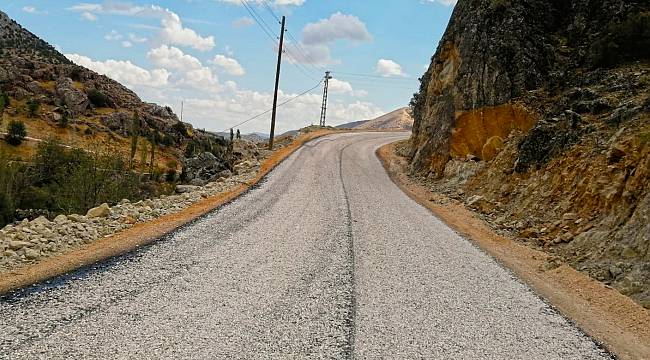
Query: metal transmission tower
[[323, 112]]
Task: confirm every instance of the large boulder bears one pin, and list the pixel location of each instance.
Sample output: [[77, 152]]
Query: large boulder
[[119, 122], [102, 210], [74, 99], [206, 166]]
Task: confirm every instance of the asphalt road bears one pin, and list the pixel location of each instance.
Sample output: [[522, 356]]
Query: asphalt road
[[325, 259]]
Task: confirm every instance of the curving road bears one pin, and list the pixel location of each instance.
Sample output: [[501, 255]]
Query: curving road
[[326, 259]]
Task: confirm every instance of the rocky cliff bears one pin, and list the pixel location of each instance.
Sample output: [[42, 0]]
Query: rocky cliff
[[542, 109]]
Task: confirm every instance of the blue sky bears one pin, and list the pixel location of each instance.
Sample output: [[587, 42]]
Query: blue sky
[[212, 55]]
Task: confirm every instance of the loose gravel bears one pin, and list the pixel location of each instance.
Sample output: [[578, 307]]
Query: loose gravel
[[325, 259]]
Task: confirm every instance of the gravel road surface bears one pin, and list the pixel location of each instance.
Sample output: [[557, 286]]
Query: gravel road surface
[[326, 259]]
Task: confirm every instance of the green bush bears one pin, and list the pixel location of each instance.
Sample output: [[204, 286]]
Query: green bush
[[98, 98], [625, 41], [63, 121], [6, 209], [181, 129], [32, 107], [77, 180], [16, 132], [4, 101], [170, 176]]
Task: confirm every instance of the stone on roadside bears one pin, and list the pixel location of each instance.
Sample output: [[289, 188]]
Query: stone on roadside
[[60, 219], [182, 189], [76, 218], [102, 210], [41, 220], [32, 254], [17, 245], [570, 216]]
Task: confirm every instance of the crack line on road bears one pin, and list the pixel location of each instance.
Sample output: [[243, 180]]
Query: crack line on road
[[351, 256]]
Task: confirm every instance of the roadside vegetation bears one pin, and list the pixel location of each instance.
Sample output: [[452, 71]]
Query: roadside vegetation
[[60, 180]]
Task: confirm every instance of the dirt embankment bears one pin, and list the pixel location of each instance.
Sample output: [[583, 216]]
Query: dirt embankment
[[601, 311], [142, 233]]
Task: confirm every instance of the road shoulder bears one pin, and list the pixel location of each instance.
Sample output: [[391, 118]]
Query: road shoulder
[[602, 312]]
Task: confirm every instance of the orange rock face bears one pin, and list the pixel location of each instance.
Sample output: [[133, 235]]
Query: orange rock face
[[481, 132]]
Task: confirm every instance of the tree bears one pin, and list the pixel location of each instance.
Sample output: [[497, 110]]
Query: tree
[[32, 107], [154, 143], [143, 157], [135, 133], [16, 132], [4, 102], [63, 121]]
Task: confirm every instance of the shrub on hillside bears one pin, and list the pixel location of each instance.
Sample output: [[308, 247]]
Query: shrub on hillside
[[619, 42], [77, 180], [6, 209], [98, 98], [32, 107], [16, 132], [63, 121]]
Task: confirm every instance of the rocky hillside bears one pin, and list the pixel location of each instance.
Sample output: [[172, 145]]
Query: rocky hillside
[[100, 110], [537, 114], [398, 119]]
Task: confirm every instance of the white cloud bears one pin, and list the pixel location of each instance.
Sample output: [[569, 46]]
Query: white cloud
[[88, 16], [337, 86], [260, 2], [318, 54], [137, 39], [229, 65], [124, 72], [127, 44], [388, 68], [113, 36], [172, 30], [33, 10], [243, 22], [172, 58], [338, 27], [188, 71], [444, 2]]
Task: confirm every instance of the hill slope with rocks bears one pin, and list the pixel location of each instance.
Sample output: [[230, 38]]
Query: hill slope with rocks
[[536, 114], [100, 110], [398, 119]]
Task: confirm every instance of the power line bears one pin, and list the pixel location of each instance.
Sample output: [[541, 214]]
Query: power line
[[266, 4], [305, 53], [259, 21], [280, 104], [266, 29], [403, 78], [297, 64], [301, 50]]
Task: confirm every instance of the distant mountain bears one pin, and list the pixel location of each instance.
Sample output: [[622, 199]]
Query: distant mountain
[[398, 119], [351, 125], [254, 136]]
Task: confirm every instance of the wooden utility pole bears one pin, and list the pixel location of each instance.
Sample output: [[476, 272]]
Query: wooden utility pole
[[277, 84]]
